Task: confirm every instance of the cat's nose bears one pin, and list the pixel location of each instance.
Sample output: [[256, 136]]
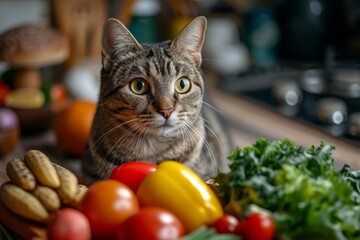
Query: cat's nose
[[166, 112]]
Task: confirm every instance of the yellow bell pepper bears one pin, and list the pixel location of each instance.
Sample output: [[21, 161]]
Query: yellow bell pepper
[[181, 191]]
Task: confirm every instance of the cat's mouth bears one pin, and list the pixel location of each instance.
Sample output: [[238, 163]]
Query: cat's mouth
[[162, 122], [166, 129], [166, 126]]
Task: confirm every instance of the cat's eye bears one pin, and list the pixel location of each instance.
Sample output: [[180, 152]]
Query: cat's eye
[[139, 86], [182, 85]]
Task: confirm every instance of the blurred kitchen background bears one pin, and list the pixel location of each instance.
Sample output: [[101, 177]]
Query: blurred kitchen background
[[274, 68]]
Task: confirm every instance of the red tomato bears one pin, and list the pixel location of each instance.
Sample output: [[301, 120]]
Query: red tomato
[[4, 90], [58, 93], [69, 223], [151, 223], [107, 204], [132, 173], [227, 224], [259, 226]]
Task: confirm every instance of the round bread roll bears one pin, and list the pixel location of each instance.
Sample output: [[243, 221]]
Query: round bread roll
[[33, 46]]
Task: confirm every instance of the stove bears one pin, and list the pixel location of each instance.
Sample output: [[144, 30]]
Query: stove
[[327, 99]]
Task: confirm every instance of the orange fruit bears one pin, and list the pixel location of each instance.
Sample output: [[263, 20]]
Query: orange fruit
[[72, 126]]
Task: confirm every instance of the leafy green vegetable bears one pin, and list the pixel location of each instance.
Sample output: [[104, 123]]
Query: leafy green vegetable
[[204, 233], [307, 196]]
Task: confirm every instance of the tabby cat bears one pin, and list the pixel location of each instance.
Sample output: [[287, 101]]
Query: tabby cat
[[151, 105]]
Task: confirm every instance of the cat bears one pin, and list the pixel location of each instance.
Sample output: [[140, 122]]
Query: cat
[[151, 105]]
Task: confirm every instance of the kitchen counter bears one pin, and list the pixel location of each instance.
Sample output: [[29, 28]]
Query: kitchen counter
[[249, 121]]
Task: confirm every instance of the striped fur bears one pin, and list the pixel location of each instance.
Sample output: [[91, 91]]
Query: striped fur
[[131, 127]]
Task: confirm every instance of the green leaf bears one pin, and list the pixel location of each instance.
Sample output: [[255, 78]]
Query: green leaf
[[307, 196], [204, 233]]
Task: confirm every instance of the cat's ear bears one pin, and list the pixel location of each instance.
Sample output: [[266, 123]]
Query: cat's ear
[[116, 38], [190, 40]]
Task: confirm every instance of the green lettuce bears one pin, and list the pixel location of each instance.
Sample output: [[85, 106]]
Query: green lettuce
[[302, 189]]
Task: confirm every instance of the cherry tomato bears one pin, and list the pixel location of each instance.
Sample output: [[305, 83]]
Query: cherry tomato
[[54, 92], [151, 223], [69, 223], [132, 173], [107, 204], [4, 90], [58, 92], [259, 226], [227, 224]]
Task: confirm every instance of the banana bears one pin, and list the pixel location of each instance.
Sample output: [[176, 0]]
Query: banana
[[68, 184], [42, 168], [48, 197], [80, 194], [20, 174], [22, 203]]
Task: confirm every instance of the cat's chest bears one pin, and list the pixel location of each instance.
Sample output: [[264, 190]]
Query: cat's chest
[[155, 150]]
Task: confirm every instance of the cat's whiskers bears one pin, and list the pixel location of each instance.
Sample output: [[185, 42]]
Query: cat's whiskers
[[212, 107], [209, 74], [135, 138], [183, 131], [208, 59], [141, 127], [187, 134], [207, 145], [118, 144], [138, 139], [100, 104], [125, 136], [98, 141], [105, 165], [206, 124]]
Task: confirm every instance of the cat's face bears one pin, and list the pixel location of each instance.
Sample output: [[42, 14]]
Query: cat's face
[[154, 89]]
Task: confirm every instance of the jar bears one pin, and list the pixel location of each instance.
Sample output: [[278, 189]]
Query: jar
[[313, 84], [345, 84]]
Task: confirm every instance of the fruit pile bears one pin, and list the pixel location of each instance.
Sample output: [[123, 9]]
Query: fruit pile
[[72, 127], [34, 106], [38, 188], [147, 201], [139, 201]]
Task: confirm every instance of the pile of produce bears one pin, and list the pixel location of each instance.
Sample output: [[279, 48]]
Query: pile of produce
[[38, 188], [139, 201], [274, 190], [300, 188]]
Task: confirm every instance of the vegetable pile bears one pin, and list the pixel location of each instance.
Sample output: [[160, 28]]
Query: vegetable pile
[[147, 201], [274, 190], [300, 188]]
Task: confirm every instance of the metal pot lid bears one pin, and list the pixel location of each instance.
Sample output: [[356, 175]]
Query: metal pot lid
[[313, 81], [354, 124], [346, 83], [331, 110]]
